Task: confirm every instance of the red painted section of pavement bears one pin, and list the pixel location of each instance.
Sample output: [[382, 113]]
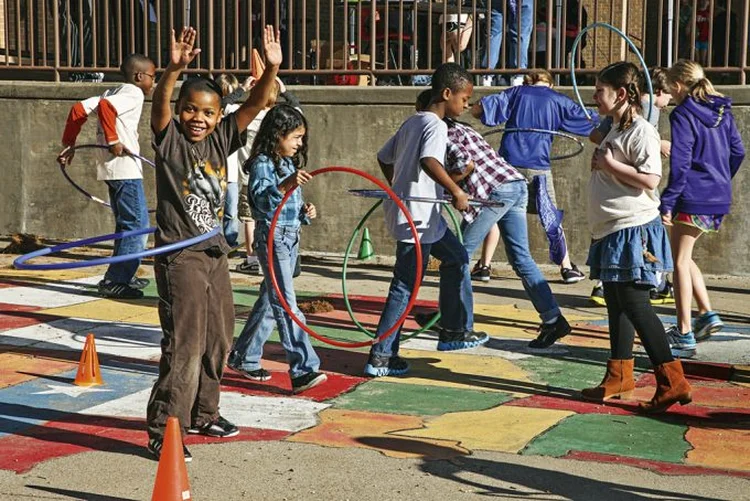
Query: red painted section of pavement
[[346, 362], [20, 453], [281, 386], [15, 316], [657, 466]]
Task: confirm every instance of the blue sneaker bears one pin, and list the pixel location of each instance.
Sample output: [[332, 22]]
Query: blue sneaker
[[707, 324], [381, 365], [682, 345], [460, 340]]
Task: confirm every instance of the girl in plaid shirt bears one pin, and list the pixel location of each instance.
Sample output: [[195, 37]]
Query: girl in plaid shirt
[[274, 168]]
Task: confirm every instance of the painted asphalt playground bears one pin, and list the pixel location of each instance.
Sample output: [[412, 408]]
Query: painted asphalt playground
[[501, 420]]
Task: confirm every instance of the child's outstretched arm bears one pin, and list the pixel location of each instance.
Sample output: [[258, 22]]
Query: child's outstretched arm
[[262, 90], [182, 54]]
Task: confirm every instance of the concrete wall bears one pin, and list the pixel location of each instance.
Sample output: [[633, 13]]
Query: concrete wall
[[347, 125]]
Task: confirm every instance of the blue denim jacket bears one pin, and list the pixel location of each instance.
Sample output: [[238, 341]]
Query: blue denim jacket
[[264, 195]]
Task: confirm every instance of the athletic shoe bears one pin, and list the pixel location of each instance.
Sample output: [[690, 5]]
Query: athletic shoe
[[488, 80], [139, 283], [460, 340], [682, 345], [572, 275], [219, 428], [597, 295], [256, 375], [155, 445], [549, 333], [707, 324], [423, 319], [252, 268], [516, 81], [118, 291], [381, 365], [663, 296], [307, 381], [481, 272]]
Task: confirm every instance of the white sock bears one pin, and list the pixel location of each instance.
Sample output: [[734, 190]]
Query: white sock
[[251, 259], [550, 322]]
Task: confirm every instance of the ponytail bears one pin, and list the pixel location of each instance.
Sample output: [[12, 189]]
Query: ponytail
[[691, 75], [703, 89]]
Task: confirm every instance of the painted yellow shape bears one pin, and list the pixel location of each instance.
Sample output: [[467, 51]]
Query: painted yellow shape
[[719, 448], [35, 277], [506, 320], [108, 310], [504, 428], [369, 430], [468, 371]]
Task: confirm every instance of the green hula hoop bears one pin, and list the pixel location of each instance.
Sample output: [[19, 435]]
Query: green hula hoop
[[345, 290]]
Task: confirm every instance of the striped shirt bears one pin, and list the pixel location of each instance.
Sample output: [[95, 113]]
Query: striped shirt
[[264, 195], [490, 169]]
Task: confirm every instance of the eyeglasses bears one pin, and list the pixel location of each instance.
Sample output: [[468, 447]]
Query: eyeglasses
[[153, 77]]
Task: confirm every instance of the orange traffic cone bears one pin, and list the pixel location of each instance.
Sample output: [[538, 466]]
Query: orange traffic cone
[[258, 66], [88, 367], [171, 476]]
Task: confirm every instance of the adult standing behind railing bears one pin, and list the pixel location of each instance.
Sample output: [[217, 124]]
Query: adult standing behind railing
[[76, 17], [524, 10]]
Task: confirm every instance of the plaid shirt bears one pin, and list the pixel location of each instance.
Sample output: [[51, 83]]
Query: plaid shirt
[[264, 195], [490, 169]]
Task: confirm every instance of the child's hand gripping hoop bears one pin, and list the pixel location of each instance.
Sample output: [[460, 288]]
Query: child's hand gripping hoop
[[383, 195], [21, 262], [632, 47], [94, 198], [570, 137], [418, 249]]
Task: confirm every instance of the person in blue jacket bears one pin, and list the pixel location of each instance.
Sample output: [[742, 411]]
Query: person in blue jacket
[[706, 154], [533, 105]]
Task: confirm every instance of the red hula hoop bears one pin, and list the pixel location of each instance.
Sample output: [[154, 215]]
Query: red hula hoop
[[417, 280]]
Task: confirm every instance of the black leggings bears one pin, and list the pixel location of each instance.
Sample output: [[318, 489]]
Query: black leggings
[[630, 310]]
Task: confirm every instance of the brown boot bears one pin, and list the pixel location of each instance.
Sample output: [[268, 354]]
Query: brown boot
[[671, 387], [617, 383]]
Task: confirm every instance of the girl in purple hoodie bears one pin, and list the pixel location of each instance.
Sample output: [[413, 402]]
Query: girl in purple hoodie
[[699, 192]]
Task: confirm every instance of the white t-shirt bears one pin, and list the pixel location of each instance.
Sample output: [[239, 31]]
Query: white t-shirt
[[127, 99], [421, 136], [236, 160], [614, 205]]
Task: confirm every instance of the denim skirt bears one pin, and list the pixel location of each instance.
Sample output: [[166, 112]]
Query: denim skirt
[[632, 254]]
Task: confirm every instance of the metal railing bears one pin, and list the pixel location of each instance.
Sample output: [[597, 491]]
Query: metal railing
[[349, 42]]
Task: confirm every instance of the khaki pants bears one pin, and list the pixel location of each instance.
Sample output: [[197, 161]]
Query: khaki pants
[[196, 312]]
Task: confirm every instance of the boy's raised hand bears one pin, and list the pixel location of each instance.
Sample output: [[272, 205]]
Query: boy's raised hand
[[272, 46], [183, 50]]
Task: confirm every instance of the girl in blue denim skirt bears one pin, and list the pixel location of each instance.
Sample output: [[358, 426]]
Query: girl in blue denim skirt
[[274, 168], [629, 243]]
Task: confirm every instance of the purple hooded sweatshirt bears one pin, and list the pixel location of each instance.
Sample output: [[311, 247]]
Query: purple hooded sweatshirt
[[706, 153]]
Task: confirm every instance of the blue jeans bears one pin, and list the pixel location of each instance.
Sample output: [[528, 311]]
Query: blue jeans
[[526, 11], [248, 349], [456, 297], [511, 219], [128, 201], [231, 222]]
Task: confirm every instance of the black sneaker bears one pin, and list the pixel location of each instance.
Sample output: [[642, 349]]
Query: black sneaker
[[307, 381], [663, 296], [481, 272], [219, 428], [572, 275], [597, 295], [118, 291], [252, 268], [139, 283], [380, 365], [423, 319], [549, 333], [256, 375], [155, 445], [460, 340]]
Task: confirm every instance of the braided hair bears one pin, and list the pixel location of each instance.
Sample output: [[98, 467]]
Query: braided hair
[[624, 75]]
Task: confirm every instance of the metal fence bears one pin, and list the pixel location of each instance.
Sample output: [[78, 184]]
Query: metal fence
[[358, 42]]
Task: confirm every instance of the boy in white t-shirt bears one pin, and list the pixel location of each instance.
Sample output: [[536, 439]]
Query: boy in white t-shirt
[[119, 112], [413, 163]]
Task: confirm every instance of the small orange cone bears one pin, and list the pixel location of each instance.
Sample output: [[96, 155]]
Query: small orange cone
[[88, 367], [258, 66], [171, 475]]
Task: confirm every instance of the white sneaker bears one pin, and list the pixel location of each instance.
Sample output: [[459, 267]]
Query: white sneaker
[[488, 80], [516, 81]]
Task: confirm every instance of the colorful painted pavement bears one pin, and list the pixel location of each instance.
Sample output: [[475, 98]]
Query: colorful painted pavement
[[501, 397]]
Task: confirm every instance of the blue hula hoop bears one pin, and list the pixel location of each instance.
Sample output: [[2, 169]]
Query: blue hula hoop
[[21, 262], [632, 46], [577, 141]]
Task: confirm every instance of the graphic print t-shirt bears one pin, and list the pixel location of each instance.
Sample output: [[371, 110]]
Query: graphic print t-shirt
[[191, 182]]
